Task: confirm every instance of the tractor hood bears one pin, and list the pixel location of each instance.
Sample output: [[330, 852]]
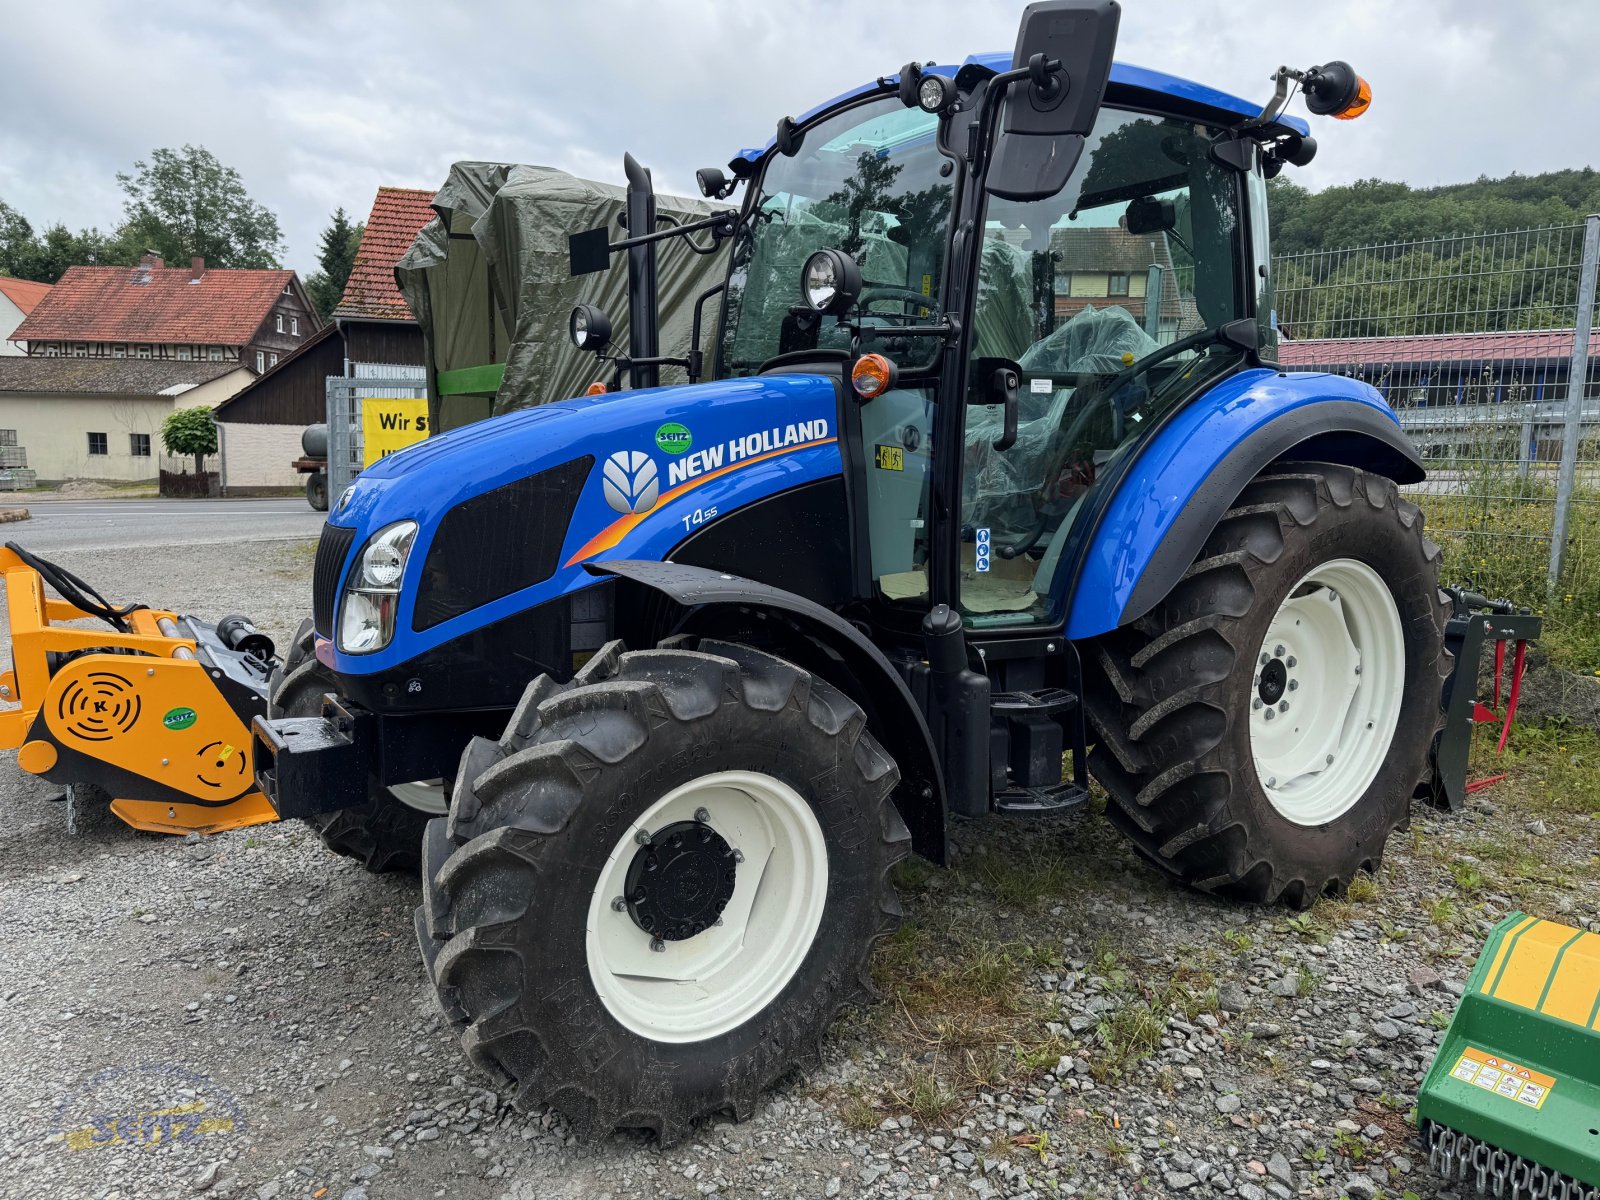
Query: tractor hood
[[508, 510]]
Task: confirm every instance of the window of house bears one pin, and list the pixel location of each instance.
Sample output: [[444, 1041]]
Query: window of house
[[51, 350], [119, 352], [81, 350], [138, 445], [144, 352], [280, 322], [8, 437], [1063, 283], [185, 353], [272, 360], [261, 362], [1116, 284], [294, 326], [215, 354], [97, 443]]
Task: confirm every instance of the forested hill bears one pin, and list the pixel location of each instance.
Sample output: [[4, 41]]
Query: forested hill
[[1373, 210]]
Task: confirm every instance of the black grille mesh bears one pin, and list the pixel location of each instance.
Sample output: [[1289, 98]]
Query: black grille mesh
[[498, 543], [326, 574]]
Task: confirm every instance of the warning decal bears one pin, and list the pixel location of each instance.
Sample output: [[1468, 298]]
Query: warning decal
[[1502, 1077]]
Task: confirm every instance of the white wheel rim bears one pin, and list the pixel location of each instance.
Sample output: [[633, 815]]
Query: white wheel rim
[[424, 795], [715, 981], [1335, 659]]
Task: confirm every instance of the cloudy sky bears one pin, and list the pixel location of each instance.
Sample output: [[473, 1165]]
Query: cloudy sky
[[316, 104]]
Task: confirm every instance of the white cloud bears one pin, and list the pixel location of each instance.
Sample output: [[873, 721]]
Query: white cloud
[[316, 105]]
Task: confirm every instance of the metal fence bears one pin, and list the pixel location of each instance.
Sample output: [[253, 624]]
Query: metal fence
[[346, 441], [1483, 346]]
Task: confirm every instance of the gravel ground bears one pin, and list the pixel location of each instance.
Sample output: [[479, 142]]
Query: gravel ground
[[1058, 1020]]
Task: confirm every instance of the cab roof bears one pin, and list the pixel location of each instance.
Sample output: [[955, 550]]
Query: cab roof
[[1128, 84]]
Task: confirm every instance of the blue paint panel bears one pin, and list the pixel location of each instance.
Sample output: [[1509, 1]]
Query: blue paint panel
[[424, 481], [1172, 468], [1124, 74]]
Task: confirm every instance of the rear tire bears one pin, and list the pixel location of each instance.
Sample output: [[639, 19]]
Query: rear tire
[[317, 491], [555, 984], [1177, 700], [384, 834]]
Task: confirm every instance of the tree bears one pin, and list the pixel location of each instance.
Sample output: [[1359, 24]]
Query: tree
[[337, 256], [183, 203], [191, 431], [25, 254]]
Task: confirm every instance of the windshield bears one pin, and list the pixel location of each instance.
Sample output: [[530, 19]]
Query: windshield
[[866, 182]]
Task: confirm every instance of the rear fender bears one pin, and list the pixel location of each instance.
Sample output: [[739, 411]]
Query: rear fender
[[657, 599], [1196, 465]]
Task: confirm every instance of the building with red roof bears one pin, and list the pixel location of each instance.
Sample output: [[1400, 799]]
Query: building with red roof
[[371, 332], [179, 314], [18, 298]]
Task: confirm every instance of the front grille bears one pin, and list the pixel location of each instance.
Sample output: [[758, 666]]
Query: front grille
[[498, 543], [326, 575]]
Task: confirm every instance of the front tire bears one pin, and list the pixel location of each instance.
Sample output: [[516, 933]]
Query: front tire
[[1315, 600], [651, 984]]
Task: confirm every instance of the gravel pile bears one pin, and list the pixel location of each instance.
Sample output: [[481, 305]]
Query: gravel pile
[[259, 1003]]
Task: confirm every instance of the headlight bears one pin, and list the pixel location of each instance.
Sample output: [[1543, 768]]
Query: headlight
[[372, 589], [830, 281], [932, 93], [589, 328]]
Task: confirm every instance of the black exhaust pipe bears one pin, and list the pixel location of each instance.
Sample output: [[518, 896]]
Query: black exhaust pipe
[[644, 341]]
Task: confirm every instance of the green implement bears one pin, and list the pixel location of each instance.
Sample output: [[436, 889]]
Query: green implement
[[1512, 1101]]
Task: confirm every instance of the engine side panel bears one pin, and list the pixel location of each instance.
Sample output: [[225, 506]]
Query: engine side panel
[[667, 463]]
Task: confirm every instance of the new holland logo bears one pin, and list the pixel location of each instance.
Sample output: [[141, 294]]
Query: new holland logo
[[631, 482]]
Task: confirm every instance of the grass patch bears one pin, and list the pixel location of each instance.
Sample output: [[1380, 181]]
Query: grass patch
[[1023, 881]]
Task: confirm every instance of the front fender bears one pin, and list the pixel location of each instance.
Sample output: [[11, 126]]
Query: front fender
[[1196, 465]]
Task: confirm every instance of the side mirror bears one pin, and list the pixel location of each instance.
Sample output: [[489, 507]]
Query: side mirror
[[1066, 46], [1148, 214]]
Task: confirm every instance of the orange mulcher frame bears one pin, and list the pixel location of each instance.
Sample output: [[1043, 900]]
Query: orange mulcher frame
[[158, 717]]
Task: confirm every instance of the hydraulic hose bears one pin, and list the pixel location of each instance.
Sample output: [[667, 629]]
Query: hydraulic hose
[[76, 592]]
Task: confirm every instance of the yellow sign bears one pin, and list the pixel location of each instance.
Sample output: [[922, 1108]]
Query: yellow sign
[[388, 425], [891, 458]]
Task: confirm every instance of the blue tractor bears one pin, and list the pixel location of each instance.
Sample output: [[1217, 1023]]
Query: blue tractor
[[993, 483]]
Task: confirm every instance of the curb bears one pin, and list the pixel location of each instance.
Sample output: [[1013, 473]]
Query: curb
[[13, 514]]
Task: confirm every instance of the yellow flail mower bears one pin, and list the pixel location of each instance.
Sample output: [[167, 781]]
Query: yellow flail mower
[[152, 714]]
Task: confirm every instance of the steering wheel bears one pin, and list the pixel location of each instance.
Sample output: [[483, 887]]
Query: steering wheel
[[893, 291]]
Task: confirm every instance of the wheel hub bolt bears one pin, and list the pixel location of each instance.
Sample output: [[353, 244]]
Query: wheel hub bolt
[[619, 904], [1283, 706], [658, 945], [1265, 658], [1272, 781], [1277, 651], [1270, 714], [642, 837], [1294, 685], [738, 856], [1256, 703], [702, 816], [1292, 661], [1329, 760]]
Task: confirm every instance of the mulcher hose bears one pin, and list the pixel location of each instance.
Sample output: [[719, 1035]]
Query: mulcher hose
[[76, 592], [1462, 1159]]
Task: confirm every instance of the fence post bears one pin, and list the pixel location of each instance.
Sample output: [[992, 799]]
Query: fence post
[[1577, 380]]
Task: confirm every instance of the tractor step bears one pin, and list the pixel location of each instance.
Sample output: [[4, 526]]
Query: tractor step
[[1040, 801], [1046, 702], [1512, 1100]]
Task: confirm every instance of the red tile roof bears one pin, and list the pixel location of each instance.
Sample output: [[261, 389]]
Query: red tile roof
[[24, 293], [1431, 348], [398, 214], [155, 304]]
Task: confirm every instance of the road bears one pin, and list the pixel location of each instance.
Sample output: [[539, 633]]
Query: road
[[58, 525]]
